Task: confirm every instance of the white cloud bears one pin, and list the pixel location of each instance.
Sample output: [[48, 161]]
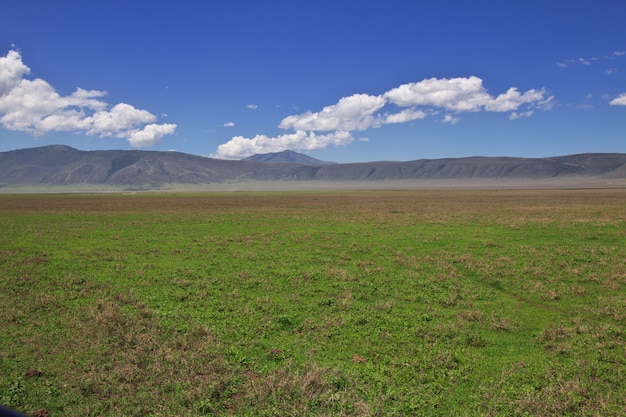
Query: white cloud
[[460, 95], [116, 121], [12, 70], [252, 106], [240, 147], [521, 115], [28, 103], [588, 61], [229, 124], [350, 113], [359, 112], [150, 135], [35, 107], [619, 100], [512, 100], [405, 115], [448, 118]]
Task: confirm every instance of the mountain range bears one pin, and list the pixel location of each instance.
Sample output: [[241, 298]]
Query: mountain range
[[59, 165]]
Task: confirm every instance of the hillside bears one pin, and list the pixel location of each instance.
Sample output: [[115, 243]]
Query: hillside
[[287, 157], [58, 165]]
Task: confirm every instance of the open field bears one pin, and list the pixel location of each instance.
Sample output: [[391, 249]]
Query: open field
[[360, 303]]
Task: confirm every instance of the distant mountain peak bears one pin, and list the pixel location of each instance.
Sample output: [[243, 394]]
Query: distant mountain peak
[[286, 156]]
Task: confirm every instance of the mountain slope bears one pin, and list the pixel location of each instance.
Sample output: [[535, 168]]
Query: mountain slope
[[61, 165], [287, 157]]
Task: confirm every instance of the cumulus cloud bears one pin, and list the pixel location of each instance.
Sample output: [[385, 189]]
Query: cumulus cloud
[[355, 112], [460, 95], [402, 104], [229, 124], [12, 70], [107, 123], [252, 106], [34, 106], [150, 134], [239, 146], [405, 115], [619, 100]]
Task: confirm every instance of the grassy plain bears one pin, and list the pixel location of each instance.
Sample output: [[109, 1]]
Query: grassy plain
[[362, 303]]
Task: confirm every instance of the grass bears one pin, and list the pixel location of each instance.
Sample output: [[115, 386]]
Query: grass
[[368, 303]]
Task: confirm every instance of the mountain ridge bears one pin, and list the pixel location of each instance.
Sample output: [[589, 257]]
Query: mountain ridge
[[60, 165]]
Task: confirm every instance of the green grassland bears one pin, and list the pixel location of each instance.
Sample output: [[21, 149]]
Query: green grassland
[[362, 303]]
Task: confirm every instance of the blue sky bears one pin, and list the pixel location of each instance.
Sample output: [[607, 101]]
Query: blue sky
[[342, 81]]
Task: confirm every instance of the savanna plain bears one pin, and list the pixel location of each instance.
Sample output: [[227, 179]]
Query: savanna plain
[[356, 303]]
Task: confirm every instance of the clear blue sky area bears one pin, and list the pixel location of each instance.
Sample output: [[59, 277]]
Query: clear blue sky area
[[343, 81]]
